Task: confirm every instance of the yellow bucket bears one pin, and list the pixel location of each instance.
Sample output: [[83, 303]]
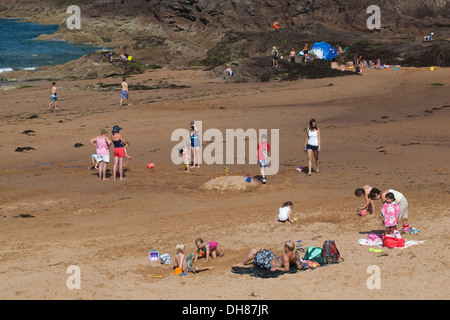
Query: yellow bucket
[[130, 58]]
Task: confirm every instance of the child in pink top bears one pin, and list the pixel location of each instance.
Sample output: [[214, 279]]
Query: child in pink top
[[390, 211], [208, 248], [263, 159]]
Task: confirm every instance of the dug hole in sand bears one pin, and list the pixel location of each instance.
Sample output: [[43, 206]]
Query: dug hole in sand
[[230, 183]]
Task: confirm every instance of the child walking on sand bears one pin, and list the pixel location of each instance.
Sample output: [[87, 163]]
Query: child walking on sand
[[124, 92], [53, 96], [263, 160], [285, 213], [390, 211], [205, 249], [183, 264]]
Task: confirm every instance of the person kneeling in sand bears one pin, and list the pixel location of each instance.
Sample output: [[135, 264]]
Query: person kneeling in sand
[[185, 263], [207, 249], [266, 259]]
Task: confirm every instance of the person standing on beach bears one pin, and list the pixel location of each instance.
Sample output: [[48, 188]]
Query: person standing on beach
[[102, 144], [119, 151], [275, 57], [53, 96], [124, 92], [306, 52], [312, 145], [292, 55], [195, 145], [263, 157]]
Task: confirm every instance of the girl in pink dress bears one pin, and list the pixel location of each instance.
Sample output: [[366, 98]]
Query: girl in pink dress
[[390, 211]]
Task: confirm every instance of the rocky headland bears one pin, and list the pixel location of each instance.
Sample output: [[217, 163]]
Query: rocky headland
[[236, 33]]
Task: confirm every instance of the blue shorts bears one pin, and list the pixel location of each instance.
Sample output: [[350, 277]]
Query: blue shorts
[[54, 97], [313, 148], [263, 163], [124, 94]]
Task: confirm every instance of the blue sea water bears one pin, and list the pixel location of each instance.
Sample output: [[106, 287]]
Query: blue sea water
[[19, 49]]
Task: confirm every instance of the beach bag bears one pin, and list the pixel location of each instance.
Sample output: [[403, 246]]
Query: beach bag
[[165, 258], [314, 254], [330, 252]]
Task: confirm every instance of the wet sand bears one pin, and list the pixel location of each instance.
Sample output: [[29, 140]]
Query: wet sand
[[386, 128]]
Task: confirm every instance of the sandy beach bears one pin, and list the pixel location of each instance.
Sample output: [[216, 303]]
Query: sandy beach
[[386, 128]]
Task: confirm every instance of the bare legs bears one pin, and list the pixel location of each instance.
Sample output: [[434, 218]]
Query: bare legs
[[118, 162], [316, 157], [102, 171], [249, 257], [196, 157]]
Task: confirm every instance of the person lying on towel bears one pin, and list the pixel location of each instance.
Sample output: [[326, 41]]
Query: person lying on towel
[[266, 259]]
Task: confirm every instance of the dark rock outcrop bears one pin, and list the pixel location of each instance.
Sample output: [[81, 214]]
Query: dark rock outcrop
[[214, 33]]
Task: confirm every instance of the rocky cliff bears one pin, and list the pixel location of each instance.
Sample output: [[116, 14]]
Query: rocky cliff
[[182, 32]]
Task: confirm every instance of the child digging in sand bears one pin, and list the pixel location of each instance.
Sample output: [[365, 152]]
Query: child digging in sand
[[368, 203], [285, 213], [183, 264], [206, 249]]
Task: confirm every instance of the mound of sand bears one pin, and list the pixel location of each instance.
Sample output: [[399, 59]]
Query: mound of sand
[[230, 183]]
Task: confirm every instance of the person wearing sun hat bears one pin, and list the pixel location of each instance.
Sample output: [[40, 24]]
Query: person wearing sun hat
[[119, 151]]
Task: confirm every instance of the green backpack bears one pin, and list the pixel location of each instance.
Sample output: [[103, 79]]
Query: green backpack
[[314, 254]]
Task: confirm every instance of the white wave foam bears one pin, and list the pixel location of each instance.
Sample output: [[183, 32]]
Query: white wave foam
[[5, 70]]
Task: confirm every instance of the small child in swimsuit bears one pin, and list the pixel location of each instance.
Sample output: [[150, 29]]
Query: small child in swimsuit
[[205, 249], [185, 263]]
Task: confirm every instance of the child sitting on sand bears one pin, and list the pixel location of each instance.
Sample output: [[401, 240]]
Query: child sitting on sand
[[390, 211], [205, 249], [285, 213], [183, 264]]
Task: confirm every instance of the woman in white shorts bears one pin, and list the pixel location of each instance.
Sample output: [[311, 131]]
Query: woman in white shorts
[[102, 144]]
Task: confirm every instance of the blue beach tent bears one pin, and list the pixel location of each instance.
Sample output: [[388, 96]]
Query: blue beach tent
[[324, 51]]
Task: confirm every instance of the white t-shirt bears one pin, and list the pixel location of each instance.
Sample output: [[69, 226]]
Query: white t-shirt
[[312, 138], [283, 213]]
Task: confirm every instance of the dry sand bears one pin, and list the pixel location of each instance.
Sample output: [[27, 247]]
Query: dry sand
[[386, 128]]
